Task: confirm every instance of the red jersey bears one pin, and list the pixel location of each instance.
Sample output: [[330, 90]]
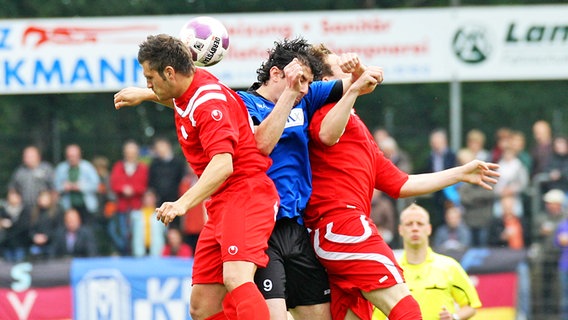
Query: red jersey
[[138, 181], [211, 119], [345, 174]]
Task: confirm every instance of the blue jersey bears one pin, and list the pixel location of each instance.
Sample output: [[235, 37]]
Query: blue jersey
[[290, 168]]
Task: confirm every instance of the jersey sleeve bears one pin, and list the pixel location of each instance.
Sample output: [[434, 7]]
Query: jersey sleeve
[[218, 131], [319, 94], [315, 123], [463, 291], [389, 178]]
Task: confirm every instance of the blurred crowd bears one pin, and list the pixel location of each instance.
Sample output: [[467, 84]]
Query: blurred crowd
[[82, 208], [85, 208], [526, 210]]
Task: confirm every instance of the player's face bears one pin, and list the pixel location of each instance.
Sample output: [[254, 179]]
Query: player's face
[[415, 227], [154, 81], [305, 81], [334, 61]]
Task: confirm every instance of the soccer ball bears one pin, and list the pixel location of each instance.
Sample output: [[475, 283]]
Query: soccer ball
[[207, 40]]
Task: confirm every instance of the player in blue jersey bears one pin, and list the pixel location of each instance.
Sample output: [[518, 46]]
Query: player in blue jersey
[[281, 104]]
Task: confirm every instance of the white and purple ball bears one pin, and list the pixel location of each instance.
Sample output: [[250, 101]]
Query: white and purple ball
[[207, 40]]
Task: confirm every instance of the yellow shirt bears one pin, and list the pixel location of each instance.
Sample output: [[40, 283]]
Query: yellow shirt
[[440, 281]]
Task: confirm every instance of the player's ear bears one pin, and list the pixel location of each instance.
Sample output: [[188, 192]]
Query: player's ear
[[276, 73], [169, 72]]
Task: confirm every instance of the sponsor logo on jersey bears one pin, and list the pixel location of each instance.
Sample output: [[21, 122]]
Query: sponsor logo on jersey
[[217, 115], [296, 118], [233, 250]]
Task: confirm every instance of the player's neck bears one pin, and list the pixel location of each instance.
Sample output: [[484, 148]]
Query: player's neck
[[265, 92], [416, 255]]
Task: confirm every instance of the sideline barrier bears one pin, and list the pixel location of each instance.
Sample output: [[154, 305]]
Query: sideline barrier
[[113, 288]]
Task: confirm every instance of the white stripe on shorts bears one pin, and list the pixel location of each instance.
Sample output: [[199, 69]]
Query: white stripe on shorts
[[350, 256]]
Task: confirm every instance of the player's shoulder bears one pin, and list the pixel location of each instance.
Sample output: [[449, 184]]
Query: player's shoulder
[[444, 260]]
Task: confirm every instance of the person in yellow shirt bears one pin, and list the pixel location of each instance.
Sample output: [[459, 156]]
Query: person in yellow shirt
[[439, 283]]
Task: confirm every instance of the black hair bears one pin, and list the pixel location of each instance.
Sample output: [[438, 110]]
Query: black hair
[[283, 53], [164, 50]]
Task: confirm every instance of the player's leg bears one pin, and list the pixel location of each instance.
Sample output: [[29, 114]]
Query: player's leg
[[307, 282], [316, 311], [248, 211], [208, 289], [392, 300], [238, 278], [206, 301], [271, 280]]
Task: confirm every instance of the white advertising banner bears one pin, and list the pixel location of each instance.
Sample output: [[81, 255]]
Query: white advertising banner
[[412, 45]]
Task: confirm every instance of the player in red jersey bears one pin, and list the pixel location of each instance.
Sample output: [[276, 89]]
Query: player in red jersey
[[216, 137], [347, 166]]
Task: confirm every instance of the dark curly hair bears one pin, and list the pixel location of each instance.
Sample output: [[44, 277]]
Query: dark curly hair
[[163, 50], [283, 53]]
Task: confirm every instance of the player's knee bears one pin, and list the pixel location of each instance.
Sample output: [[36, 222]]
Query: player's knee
[[237, 273]]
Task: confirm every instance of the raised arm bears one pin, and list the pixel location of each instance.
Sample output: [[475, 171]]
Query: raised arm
[[271, 128], [215, 174], [475, 172], [336, 119], [350, 64], [133, 96]]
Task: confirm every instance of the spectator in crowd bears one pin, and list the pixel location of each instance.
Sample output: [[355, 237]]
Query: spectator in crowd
[[454, 296], [166, 172], [107, 205], [513, 181], [475, 142], [561, 240], [477, 204], [32, 176], [387, 212], [441, 158], [77, 182], [73, 239], [557, 168], [46, 217], [390, 149], [194, 220], [384, 215], [542, 148], [379, 134], [507, 230], [546, 252], [518, 143], [454, 234], [502, 138], [128, 181], [148, 236], [175, 247], [15, 220]]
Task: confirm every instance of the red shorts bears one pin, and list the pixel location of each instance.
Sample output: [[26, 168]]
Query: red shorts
[[240, 221], [356, 258]]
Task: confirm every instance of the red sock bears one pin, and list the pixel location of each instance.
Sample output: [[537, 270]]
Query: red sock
[[217, 316], [229, 307], [406, 309], [250, 303]]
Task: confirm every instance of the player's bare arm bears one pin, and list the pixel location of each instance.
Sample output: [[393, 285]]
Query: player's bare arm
[[215, 174], [350, 64], [476, 172], [133, 96], [333, 124], [464, 312], [270, 129]]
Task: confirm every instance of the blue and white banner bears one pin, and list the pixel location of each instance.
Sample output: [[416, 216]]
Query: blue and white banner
[[131, 288], [412, 45]]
